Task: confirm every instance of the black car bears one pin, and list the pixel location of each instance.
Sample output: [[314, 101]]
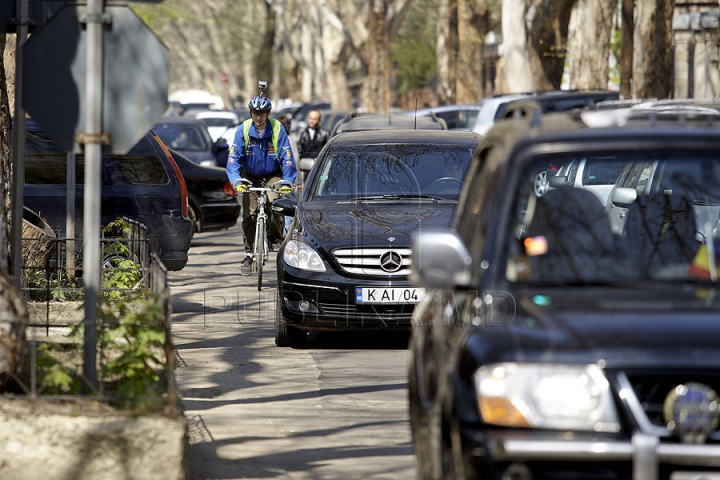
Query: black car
[[552, 347], [190, 137], [212, 204], [144, 185], [345, 262]]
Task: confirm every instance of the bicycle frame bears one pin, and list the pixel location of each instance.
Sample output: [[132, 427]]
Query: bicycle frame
[[260, 246]]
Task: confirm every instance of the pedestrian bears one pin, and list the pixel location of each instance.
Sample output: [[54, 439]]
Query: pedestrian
[[260, 152], [314, 137]]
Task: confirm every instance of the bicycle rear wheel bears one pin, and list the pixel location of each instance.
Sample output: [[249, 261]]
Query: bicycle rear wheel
[[260, 249]]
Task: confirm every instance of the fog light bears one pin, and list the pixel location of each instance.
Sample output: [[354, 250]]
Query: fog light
[[517, 471], [304, 305]]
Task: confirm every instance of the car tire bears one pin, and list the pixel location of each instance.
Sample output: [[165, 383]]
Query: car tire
[[285, 335], [197, 226], [541, 183], [425, 417]]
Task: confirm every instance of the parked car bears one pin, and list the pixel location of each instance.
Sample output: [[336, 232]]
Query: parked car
[[555, 101], [345, 261], [544, 348], [190, 137], [220, 124], [457, 117], [359, 122], [144, 185], [491, 109], [212, 204]]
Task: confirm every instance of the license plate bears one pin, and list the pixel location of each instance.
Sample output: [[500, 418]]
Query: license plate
[[367, 295]]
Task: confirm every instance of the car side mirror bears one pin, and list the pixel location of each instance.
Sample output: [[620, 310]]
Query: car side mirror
[[439, 260], [558, 181], [624, 197], [220, 145], [285, 206]]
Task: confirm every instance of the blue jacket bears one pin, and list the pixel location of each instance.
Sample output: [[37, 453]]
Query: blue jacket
[[260, 158]]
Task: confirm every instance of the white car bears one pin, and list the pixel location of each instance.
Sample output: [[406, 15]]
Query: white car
[[476, 118], [220, 123]]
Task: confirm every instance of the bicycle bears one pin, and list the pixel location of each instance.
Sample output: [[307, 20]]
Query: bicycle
[[260, 246]]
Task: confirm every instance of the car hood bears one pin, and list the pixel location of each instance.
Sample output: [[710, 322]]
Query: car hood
[[369, 224], [621, 327]]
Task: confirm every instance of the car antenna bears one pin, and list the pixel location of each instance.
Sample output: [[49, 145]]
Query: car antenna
[[415, 125]]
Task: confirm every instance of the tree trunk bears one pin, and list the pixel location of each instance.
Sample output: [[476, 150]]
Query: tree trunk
[[591, 44], [5, 163], [652, 58], [13, 322], [446, 49], [515, 59], [626, 48], [378, 81], [335, 56], [472, 27], [547, 42]]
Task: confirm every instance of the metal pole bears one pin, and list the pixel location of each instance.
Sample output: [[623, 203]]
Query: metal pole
[[93, 157], [70, 221], [18, 171]]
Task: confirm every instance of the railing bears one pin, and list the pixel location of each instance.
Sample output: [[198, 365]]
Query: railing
[[133, 323]]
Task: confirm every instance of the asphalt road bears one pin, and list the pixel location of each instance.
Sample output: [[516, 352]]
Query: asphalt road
[[334, 410]]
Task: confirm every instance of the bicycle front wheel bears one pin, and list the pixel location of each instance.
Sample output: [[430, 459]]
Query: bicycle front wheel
[[260, 249]]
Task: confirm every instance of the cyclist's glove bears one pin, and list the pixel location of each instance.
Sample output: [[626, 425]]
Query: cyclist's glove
[[285, 189], [241, 188]]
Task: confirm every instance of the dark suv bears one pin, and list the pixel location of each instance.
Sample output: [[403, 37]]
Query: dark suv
[[144, 185], [550, 346]]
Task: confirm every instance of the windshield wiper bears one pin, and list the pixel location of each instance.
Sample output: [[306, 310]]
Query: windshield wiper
[[397, 196]]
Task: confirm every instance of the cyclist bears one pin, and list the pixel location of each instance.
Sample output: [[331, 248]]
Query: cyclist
[[260, 152]]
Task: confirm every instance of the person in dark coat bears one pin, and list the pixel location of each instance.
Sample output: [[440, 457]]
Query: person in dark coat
[[314, 137]]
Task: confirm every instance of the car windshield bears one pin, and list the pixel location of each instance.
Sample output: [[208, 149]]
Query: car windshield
[[218, 121], [660, 221], [182, 137], [387, 171]]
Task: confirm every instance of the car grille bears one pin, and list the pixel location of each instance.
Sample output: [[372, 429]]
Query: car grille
[[398, 315], [651, 389], [374, 261]]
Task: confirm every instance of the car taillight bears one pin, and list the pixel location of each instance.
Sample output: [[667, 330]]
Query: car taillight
[[181, 179], [229, 190]]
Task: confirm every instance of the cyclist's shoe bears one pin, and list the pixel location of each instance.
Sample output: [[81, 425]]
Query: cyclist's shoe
[[246, 266]]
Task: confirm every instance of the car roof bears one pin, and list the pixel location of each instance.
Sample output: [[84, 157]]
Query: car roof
[[216, 114], [387, 122], [406, 136], [442, 108], [180, 120]]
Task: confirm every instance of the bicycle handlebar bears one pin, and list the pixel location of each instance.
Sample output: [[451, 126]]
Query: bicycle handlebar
[[271, 188]]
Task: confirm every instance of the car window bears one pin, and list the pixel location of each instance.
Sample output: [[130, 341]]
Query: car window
[[144, 170], [182, 137], [565, 236], [376, 170], [49, 169], [602, 171]]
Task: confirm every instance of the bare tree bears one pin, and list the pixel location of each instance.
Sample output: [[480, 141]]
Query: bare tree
[[652, 58], [5, 164], [591, 43], [516, 61], [547, 41]]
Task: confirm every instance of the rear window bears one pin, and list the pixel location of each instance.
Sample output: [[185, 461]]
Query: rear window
[[140, 166]]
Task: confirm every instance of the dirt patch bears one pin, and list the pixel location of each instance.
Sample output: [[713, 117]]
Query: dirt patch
[[85, 439]]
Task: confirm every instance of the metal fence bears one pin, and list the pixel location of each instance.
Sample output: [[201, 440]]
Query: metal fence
[[135, 306]]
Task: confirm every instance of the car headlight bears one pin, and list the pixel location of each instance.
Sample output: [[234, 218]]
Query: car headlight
[[575, 397], [208, 163], [300, 255]]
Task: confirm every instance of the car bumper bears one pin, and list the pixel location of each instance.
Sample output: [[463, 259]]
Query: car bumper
[[171, 241], [331, 303], [547, 456]]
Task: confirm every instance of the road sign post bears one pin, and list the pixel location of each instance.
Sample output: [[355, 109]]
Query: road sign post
[[89, 105]]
